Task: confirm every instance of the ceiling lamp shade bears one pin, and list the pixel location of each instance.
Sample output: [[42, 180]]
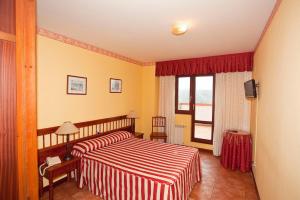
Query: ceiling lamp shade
[[179, 28], [67, 128]]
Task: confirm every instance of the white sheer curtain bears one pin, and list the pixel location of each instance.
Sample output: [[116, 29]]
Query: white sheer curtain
[[167, 103], [232, 109]]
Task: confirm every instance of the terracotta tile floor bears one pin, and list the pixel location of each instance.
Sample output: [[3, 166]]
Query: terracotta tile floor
[[217, 183]]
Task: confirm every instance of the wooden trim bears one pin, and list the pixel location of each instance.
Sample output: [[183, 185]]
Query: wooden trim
[[89, 47], [145, 64], [108, 125], [7, 36], [256, 189], [30, 97], [22, 188], [26, 98], [200, 149], [274, 11], [205, 150], [45, 149], [45, 131]]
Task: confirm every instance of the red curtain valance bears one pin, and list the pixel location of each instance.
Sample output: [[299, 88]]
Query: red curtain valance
[[206, 65]]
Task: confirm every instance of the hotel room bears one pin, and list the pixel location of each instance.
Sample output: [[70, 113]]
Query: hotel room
[[169, 100]]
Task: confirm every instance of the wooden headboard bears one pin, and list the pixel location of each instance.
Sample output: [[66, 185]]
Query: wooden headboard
[[51, 144]]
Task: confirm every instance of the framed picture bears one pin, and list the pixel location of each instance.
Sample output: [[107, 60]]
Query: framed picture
[[115, 85], [76, 85]]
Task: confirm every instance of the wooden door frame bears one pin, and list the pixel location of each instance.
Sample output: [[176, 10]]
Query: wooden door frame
[[193, 86], [26, 99]]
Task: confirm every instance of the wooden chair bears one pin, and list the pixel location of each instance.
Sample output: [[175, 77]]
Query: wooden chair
[[159, 128]]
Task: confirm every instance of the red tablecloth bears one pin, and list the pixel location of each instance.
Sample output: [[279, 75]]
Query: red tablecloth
[[237, 151]]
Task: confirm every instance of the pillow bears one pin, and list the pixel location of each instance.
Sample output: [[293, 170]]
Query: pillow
[[89, 145]]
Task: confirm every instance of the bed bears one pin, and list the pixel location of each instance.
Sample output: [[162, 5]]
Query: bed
[[119, 166]]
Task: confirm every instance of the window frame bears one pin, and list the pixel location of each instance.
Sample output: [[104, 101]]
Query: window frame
[[191, 110], [177, 111]]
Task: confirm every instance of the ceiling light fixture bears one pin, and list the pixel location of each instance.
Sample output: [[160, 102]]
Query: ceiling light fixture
[[179, 28]]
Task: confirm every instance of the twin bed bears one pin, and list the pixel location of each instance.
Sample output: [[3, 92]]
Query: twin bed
[[116, 165], [119, 166]]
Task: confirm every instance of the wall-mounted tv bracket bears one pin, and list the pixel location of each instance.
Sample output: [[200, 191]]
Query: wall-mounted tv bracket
[[257, 88]]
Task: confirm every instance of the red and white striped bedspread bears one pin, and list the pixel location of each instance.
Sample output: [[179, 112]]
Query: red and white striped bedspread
[[135, 169]]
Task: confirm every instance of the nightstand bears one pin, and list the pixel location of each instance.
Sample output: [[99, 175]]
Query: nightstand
[[139, 135], [66, 167]]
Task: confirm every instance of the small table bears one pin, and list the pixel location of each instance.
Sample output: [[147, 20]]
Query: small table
[[139, 135], [237, 151], [66, 167]]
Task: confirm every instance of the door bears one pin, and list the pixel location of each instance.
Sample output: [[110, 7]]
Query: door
[[203, 108]]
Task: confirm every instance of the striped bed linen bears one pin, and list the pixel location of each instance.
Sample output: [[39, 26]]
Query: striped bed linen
[[81, 148], [135, 169]]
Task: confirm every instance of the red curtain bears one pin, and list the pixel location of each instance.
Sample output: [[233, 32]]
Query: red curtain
[[206, 65]]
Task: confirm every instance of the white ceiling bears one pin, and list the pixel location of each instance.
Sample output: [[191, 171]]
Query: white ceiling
[[140, 29]]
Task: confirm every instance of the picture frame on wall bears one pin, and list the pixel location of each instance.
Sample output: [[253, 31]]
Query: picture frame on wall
[[76, 85], [115, 85]]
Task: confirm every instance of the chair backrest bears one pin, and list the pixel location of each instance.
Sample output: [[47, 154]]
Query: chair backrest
[[159, 124]]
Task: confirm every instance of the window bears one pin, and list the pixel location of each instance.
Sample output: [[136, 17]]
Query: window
[[202, 115], [195, 96], [183, 95]]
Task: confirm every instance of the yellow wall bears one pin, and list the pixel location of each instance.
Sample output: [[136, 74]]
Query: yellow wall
[[277, 68], [56, 60], [149, 99]]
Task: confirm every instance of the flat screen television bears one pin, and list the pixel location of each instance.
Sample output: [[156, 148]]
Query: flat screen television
[[250, 89]]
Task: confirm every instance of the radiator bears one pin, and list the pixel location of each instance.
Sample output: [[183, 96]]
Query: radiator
[[178, 135]]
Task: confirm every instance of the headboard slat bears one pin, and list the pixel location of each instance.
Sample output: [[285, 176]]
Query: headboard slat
[[102, 127]]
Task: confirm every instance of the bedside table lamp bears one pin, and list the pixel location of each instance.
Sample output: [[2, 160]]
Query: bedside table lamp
[[67, 128], [132, 115]]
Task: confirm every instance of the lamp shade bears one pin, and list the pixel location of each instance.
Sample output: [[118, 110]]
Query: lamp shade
[[132, 114], [67, 128], [179, 28]]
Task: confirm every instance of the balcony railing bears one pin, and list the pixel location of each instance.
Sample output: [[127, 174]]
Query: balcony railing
[[203, 112]]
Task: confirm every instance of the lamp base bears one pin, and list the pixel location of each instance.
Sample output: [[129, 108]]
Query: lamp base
[[68, 157]]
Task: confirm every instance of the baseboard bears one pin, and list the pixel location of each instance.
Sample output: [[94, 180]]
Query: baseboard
[[257, 193], [200, 149], [205, 150]]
